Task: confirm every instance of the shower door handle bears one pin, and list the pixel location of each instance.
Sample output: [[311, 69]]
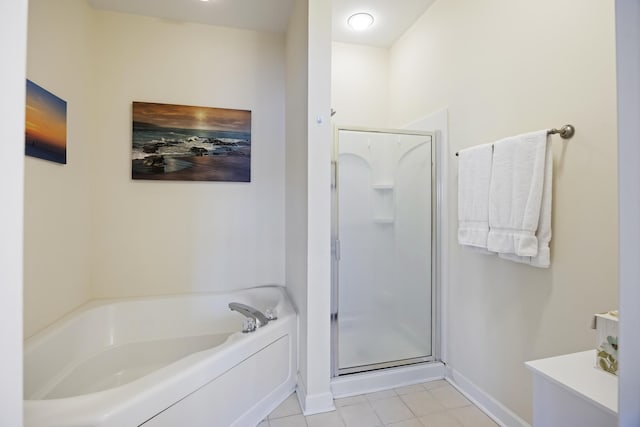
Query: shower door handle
[[336, 249]]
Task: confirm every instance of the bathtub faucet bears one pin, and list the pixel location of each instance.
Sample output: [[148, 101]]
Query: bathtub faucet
[[251, 313]]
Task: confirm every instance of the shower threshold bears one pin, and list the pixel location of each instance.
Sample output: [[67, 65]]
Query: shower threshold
[[384, 379]]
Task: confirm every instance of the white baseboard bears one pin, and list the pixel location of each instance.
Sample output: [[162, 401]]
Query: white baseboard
[[313, 403], [384, 379], [489, 405]]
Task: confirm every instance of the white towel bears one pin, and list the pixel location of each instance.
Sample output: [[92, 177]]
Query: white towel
[[543, 233], [474, 177], [515, 194]]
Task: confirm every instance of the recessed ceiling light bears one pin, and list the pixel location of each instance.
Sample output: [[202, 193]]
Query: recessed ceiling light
[[360, 21]]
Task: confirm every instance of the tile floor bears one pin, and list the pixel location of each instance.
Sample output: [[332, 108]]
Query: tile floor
[[432, 404]]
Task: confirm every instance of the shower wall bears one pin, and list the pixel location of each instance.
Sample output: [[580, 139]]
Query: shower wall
[[384, 228]]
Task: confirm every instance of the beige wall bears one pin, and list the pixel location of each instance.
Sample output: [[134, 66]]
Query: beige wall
[[503, 68], [93, 232], [166, 237], [57, 197], [360, 85], [308, 164], [319, 397], [296, 170]]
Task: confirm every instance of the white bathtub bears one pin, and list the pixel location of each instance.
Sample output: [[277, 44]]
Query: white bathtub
[[161, 361]]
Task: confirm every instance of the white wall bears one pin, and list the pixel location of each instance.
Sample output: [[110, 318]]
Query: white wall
[[504, 68], [308, 269], [628, 59], [319, 208], [296, 172], [57, 197], [308, 143], [13, 45], [165, 237], [360, 85]]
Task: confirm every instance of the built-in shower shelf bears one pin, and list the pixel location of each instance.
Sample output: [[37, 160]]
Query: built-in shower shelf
[[383, 220], [382, 186]]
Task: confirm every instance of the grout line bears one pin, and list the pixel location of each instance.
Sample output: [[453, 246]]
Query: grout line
[[344, 422], [291, 416], [391, 394]]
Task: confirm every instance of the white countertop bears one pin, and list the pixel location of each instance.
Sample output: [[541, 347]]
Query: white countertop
[[577, 373]]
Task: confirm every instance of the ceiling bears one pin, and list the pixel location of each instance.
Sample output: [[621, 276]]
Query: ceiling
[[392, 17], [258, 15]]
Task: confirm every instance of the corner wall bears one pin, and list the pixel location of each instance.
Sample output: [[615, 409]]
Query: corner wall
[[57, 216], [308, 264], [504, 68]]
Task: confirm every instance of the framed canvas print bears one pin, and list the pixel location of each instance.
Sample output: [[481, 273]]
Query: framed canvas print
[[45, 125], [187, 143]]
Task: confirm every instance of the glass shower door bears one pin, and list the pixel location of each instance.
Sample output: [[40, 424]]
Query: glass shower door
[[383, 231]]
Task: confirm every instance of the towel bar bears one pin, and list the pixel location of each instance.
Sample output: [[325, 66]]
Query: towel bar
[[565, 132]]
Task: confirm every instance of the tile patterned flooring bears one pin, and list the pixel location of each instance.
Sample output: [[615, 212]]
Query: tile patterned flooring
[[432, 404]]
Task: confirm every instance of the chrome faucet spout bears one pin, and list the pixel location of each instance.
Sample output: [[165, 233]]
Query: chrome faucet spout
[[249, 312]]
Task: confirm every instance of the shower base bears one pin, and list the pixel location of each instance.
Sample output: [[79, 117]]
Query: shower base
[[362, 343]]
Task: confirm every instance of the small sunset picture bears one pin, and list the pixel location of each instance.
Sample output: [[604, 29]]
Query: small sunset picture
[[46, 125], [188, 143]]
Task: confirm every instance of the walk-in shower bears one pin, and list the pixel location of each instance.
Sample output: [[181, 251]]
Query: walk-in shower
[[384, 216]]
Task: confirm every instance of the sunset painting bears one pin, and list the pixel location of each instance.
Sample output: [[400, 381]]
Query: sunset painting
[[46, 125], [184, 143]]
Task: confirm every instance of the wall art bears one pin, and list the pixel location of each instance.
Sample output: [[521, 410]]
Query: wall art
[[45, 125], [187, 143]]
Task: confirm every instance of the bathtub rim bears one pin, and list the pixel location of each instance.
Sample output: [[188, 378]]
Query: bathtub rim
[[168, 384], [95, 303]]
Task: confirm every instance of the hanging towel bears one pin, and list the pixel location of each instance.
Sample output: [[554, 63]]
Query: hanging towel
[[543, 233], [515, 194], [474, 177]]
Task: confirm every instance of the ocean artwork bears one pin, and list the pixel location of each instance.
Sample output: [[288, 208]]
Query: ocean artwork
[[45, 125], [186, 143]]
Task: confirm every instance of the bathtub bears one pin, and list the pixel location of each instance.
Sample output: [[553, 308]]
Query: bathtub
[[162, 361]]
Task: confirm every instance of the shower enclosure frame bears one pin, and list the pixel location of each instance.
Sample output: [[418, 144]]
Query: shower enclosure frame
[[436, 198]]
